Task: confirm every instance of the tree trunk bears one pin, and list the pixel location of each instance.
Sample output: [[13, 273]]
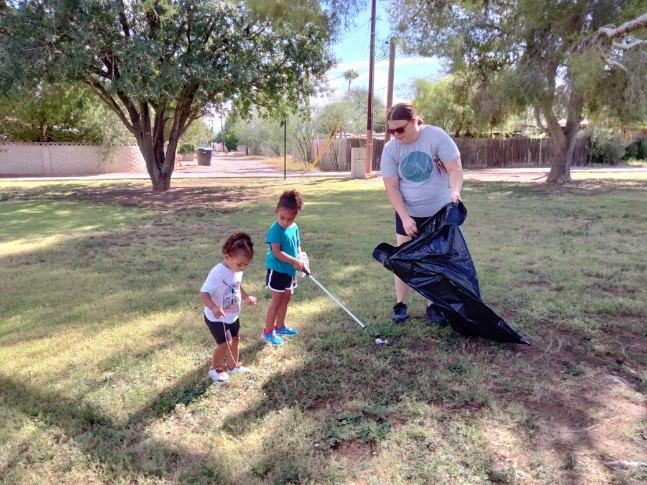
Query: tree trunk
[[158, 164], [560, 171], [563, 140], [540, 125], [557, 138], [45, 132], [136, 116], [150, 138]]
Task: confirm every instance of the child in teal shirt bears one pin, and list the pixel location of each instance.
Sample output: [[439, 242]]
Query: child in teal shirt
[[282, 264]]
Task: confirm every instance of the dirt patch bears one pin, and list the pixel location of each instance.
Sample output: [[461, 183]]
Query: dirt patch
[[501, 175], [222, 198], [172, 199], [353, 450], [576, 389], [583, 409], [323, 403]]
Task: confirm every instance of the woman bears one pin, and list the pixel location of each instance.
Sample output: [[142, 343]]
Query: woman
[[421, 169]]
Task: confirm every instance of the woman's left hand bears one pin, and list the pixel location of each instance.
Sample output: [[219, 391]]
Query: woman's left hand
[[456, 196], [251, 300]]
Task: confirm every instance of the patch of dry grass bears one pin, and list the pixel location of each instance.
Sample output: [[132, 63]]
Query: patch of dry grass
[[292, 164]]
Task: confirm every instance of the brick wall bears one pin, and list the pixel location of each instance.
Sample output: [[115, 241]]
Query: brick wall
[[61, 159]]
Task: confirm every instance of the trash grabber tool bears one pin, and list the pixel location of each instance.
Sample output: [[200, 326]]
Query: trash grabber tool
[[333, 298]]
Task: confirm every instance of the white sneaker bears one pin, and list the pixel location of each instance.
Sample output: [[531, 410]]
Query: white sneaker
[[240, 369], [219, 377]]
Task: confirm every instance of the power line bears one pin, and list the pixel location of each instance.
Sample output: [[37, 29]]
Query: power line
[[355, 31]]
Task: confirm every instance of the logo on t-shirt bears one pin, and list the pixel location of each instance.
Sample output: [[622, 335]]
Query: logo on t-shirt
[[230, 300], [416, 167]]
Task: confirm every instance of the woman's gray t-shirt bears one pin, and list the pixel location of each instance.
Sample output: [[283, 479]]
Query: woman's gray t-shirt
[[424, 183]]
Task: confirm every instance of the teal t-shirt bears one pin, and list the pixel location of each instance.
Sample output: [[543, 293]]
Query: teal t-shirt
[[289, 240]]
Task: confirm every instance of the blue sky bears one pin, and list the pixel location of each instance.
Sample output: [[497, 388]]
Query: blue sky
[[352, 52]]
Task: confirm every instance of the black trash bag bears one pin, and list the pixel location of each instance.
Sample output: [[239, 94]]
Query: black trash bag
[[438, 265]]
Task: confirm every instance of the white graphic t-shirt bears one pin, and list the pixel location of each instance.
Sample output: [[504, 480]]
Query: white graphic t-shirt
[[223, 285], [420, 166]]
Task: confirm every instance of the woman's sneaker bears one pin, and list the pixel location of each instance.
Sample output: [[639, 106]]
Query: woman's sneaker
[[272, 339], [219, 376], [285, 330], [399, 314], [435, 316]]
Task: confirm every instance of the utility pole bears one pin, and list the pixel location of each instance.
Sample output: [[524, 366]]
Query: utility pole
[[222, 133], [368, 163], [389, 89], [285, 148]]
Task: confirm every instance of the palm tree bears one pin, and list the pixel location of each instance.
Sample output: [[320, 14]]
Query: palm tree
[[350, 75]]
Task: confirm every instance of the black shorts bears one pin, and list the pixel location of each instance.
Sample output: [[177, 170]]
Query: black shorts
[[223, 332], [280, 282], [398, 223]]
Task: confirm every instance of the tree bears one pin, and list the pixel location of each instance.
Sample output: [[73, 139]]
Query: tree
[[461, 104], [158, 64], [349, 115], [59, 112], [548, 54], [261, 134], [333, 117], [358, 102], [231, 138], [446, 103], [349, 75], [199, 133]]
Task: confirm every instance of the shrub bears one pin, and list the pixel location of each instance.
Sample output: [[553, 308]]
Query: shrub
[[642, 150], [185, 148], [231, 141], [632, 151], [606, 148]]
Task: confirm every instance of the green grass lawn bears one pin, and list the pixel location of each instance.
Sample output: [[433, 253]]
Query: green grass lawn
[[104, 354]]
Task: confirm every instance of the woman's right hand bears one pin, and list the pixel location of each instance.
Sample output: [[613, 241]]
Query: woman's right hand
[[409, 226], [298, 265]]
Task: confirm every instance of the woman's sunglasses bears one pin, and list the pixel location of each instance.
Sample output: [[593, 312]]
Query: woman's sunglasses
[[398, 131]]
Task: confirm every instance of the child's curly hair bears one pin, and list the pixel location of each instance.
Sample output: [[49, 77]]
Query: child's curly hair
[[291, 200], [238, 243]]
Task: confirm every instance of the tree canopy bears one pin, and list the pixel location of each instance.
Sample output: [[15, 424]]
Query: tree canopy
[[161, 64], [60, 112], [447, 103], [349, 114]]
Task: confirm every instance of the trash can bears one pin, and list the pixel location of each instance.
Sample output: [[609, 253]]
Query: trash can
[[204, 156]]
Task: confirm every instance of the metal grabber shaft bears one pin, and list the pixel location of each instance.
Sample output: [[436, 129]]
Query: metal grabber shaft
[[333, 298]]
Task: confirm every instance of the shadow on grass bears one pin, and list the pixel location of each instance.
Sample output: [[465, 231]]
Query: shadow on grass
[[137, 195], [122, 449]]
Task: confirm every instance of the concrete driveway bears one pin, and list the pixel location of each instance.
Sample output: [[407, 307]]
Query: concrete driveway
[[236, 165], [223, 165]]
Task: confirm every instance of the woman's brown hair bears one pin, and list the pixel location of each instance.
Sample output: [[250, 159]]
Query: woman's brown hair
[[403, 111]]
